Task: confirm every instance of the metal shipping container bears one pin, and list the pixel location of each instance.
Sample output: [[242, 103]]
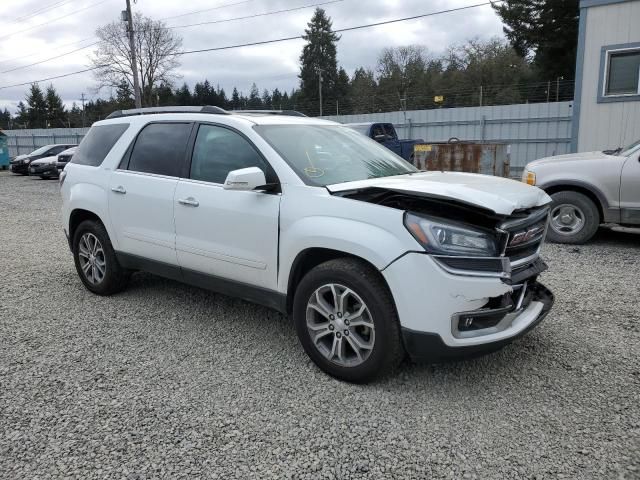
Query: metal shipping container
[[457, 156], [4, 151]]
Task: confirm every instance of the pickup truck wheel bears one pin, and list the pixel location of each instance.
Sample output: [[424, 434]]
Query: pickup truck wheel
[[96, 261], [574, 218], [346, 320]]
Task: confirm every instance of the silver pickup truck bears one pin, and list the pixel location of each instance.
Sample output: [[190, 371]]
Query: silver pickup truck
[[589, 189]]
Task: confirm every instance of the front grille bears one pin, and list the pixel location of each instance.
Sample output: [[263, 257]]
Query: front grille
[[524, 234]]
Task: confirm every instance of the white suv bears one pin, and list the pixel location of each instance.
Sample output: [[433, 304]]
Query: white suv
[[372, 258]]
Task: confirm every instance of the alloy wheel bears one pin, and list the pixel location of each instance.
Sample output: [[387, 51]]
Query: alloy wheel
[[340, 325], [92, 259], [567, 219]]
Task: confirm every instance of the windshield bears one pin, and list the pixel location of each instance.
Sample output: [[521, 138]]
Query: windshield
[[326, 154], [628, 150], [40, 150]]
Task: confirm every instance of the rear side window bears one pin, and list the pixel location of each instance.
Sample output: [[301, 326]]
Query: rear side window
[[98, 143], [160, 149]]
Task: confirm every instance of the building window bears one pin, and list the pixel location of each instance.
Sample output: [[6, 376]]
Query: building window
[[623, 73]]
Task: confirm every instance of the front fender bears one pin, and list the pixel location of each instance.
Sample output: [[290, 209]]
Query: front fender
[[372, 243]]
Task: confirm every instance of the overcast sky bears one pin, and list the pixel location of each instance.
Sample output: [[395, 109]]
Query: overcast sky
[[25, 40]]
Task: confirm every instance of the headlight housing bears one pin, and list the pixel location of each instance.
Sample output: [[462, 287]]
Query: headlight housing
[[441, 237]]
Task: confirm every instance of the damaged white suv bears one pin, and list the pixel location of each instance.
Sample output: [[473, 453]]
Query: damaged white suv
[[372, 258]]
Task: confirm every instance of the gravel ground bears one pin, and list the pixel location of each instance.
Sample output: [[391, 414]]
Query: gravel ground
[[166, 380]]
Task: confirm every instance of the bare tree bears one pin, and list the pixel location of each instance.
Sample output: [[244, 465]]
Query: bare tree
[[156, 48], [400, 68]]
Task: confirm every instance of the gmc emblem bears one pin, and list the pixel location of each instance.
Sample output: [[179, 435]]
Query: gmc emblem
[[523, 237]]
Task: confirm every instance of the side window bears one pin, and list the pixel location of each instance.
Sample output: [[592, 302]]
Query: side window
[[390, 131], [55, 150], [377, 130], [160, 149], [623, 73], [218, 150], [97, 143]]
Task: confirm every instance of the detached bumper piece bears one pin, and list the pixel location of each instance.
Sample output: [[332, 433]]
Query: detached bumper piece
[[429, 347]]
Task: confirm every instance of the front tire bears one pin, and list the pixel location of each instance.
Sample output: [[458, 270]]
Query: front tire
[[574, 218], [96, 261], [347, 322]]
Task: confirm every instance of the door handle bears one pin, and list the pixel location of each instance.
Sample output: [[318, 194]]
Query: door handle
[[189, 201], [118, 189]]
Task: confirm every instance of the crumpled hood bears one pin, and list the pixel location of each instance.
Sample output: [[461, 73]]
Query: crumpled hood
[[45, 160], [500, 195], [572, 157]]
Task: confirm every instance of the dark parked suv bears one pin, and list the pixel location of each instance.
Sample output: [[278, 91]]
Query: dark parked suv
[[20, 164]]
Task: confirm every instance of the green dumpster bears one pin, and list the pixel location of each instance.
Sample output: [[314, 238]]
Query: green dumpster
[[4, 151]]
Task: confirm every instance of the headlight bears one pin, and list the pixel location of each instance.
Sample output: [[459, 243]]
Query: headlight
[[439, 237], [529, 177]]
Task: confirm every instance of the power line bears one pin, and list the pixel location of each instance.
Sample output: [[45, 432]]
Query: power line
[[276, 40], [180, 26], [75, 12], [274, 12], [39, 11], [19, 57], [208, 9]]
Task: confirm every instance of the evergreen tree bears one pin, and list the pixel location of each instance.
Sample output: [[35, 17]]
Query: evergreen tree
[[124, 95], [548, 29], [276, 99], [37, 107], [235, 100], [318, 57], [183, 95], [342, 93], [266, 99], [254, 102], [22, 117], [75, 116], [56, 115], [5, 119], [363, 91]]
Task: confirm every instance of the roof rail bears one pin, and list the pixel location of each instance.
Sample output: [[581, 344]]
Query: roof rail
[[177, 109], [291, 113]]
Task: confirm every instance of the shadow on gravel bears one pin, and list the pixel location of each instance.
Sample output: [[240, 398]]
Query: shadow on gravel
[[609, 237]]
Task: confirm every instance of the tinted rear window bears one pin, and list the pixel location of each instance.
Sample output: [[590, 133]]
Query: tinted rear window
[[160, 149], [98, 143]]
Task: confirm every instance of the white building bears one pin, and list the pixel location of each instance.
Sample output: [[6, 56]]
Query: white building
[[606, 110]]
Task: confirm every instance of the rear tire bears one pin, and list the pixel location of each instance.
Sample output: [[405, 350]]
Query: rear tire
[[96, 261], [343, 305], [574, 218]]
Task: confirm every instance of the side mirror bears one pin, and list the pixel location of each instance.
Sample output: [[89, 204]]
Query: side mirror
[[244, 179]]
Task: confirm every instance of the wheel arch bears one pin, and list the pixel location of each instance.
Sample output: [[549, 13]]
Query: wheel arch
[[309, 258], [79, 215], [591, 192]]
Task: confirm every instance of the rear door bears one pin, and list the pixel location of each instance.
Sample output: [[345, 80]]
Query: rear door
[[141, 191], [232, 235], [630, 190]]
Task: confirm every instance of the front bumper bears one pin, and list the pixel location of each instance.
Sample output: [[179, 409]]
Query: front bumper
[[48, 170], [434, 306], [429, 347], [22, 168]]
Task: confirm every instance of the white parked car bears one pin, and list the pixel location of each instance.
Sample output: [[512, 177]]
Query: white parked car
[[372, 258]]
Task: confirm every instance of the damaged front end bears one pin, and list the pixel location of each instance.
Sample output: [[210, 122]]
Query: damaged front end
[[469, 241]]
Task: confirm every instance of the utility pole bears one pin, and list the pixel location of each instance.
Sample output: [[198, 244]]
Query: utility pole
[[82, 100], [320, 88], [134, 62], [480, 95]]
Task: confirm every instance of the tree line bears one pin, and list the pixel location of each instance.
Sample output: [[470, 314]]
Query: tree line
[[534, 64]]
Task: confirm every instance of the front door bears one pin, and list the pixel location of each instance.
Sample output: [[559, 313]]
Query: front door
[[141, 192], [630, 190], [232, 235]]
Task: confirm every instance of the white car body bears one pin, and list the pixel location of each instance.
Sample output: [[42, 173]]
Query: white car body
[[254, 240]]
